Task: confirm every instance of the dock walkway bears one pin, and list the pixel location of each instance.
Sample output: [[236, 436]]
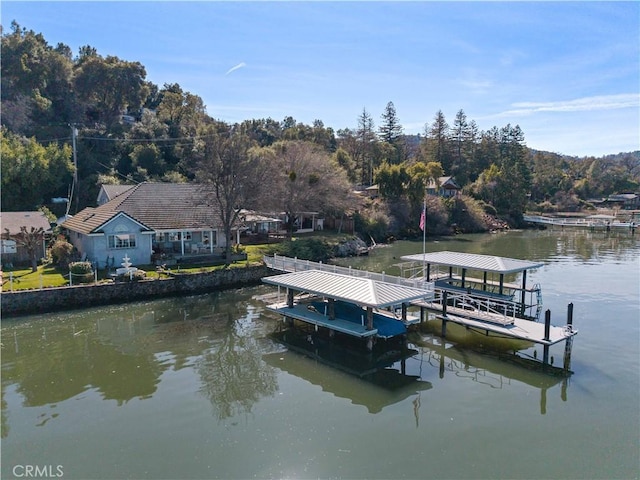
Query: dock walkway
[[288, 264], [592, 223], [520, 329], [471, 314]]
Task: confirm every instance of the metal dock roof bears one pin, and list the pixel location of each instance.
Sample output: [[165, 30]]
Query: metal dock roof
[[474, 261], [361, 291]]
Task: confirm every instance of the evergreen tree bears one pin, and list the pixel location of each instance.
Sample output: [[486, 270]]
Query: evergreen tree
[[435, 144], [366, 139], [460, 137]]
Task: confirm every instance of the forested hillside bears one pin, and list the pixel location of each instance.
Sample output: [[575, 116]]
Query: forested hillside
[[125, 129]]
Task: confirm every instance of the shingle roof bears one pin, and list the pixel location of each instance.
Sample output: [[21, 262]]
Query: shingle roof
[[14, 220], [112, 191], [443, 182], [158, 206], [362, 291], [472, 261]]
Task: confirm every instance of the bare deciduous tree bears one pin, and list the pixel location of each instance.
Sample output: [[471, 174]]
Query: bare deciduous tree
[[232, 174], [31, 240], [303, 178]]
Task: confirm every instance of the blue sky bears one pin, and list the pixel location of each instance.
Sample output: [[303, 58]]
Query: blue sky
[[567, 72]]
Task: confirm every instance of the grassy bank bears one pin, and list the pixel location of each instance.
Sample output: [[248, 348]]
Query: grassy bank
[[48, 275]]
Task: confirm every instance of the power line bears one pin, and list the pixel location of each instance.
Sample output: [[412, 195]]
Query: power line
[[147, 140]]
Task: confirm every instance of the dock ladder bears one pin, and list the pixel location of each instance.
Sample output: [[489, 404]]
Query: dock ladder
[[538, 291]]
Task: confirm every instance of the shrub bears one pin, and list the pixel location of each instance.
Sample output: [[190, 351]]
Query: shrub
[[133, 277], [82, 272], [373, 223], [466, 214], [61, 252], [313, 249]]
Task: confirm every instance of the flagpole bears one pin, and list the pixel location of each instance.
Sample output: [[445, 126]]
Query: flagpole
[[424, 239]]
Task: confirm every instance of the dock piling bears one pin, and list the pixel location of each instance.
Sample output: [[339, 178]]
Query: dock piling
[[443, 333], [547, 324], [569, 342], [547, 327]]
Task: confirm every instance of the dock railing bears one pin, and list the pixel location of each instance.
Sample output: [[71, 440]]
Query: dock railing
[[486, 309], [288, 264]]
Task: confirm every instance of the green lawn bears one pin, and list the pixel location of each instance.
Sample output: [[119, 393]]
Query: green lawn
[[25, 279], [50, 276]]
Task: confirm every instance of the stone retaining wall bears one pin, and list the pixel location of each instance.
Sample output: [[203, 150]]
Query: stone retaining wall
[[67, 298]]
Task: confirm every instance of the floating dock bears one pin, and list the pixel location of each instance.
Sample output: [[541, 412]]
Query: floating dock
[[593, 222]]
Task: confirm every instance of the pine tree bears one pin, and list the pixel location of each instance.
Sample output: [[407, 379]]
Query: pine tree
[[390, 131], [366, 140]]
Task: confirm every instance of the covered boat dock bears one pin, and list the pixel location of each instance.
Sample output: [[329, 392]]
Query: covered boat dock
[[360, 307], [450, 272], [493, 307], [438, 282]]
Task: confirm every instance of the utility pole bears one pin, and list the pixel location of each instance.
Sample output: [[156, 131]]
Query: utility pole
[[74, 186]]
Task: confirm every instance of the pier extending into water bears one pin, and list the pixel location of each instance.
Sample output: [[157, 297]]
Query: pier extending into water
[[593, 222]]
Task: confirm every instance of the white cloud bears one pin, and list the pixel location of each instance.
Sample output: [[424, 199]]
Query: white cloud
[[600, 102], [236, 67]]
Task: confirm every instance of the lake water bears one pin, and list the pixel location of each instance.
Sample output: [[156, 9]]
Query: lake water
[[195, 387]]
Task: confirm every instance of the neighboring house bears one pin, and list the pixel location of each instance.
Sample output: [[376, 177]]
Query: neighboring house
[[257, 223], [305, 222], [626, 201], [147, 222], [373, 191], [12, 252], [445, 187], [109, 192]]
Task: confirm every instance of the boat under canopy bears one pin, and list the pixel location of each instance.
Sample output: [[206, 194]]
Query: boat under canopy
[[345, 303]]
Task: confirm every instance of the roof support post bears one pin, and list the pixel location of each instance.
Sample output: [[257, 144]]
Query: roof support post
[[332, 309], [369, 318], [289, 298], [501, 283], [523, 293]]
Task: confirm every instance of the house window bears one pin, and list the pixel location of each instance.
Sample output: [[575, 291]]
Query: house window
[[122, 240], [213, 240], [187, 235]]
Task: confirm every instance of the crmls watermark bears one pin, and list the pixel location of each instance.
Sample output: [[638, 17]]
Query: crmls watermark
[[38, 471]]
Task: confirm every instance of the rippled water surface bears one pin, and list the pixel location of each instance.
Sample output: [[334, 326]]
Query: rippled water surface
[[196, 387]]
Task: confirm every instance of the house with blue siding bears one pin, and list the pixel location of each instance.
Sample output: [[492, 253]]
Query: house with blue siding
[[149, 222]]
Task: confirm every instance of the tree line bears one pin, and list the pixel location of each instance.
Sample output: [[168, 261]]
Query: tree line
[[130, 130]]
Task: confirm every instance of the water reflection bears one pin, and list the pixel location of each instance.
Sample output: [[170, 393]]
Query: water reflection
[[122, 353], [373, 380], [534, 245], [489, 367]]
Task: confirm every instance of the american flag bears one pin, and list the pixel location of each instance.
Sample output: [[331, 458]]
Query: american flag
[[422, 220]]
